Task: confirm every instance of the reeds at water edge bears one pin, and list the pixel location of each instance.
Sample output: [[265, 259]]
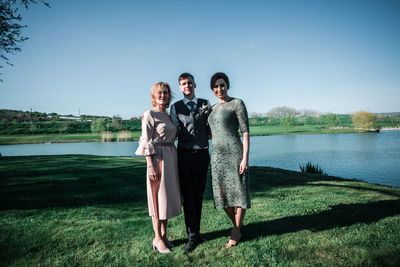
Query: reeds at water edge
[[124, 136], [311, 168], [107, 136]]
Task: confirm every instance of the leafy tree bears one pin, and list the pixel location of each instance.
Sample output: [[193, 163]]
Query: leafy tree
[[32, 127], [332, 120], [270, 121], [310, 120], [10, 27], [98, 126], [345, 120], [63, 128], [287, 121], [364, 120], [116, 122]]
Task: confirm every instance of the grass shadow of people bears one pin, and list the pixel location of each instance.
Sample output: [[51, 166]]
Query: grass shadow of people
[[336, 216]]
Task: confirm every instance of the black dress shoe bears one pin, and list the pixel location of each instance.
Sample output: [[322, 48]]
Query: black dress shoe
[[191, 245]]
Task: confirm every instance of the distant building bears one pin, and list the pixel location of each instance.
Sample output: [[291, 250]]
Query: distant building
[[70, 118]]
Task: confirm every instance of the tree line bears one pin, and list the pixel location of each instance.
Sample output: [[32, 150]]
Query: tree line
[[8, 115], [25, 122], [284, 111], [58, 127], [289, 117]]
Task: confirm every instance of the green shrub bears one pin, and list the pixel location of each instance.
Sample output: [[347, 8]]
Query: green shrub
[[310, 168]]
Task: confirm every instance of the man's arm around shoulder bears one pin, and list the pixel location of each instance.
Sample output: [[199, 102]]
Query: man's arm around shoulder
[[174, 116]]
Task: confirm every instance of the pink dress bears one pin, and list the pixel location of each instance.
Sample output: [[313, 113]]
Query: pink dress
[[158, 136]]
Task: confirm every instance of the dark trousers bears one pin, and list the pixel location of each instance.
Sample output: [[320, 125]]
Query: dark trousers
[[193, 168]]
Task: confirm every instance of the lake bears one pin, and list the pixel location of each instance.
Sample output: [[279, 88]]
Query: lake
[[370, 157]]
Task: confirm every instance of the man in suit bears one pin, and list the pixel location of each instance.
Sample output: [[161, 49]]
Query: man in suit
[[190, 117]]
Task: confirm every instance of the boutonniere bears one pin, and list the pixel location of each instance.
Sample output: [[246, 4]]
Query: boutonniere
[[205, 109]]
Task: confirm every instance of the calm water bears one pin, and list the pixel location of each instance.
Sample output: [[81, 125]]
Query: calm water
[[371, 157]]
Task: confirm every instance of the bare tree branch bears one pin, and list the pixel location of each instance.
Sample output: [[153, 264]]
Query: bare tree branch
[[11, 26]]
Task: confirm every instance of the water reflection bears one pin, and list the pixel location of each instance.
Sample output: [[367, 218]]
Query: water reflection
[[372, 157]]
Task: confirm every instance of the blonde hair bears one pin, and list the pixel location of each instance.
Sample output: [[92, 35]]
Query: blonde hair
[[157, 87]]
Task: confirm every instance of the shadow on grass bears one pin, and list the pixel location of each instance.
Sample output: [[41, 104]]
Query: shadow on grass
[[70, 181], [337, 216], [377, 190], [263, 179], [80, 180]]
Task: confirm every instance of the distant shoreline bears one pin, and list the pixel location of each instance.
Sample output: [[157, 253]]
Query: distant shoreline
[[390, 129], [79, 138]]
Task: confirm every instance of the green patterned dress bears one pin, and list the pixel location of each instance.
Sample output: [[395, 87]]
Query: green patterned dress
[[229, 187]]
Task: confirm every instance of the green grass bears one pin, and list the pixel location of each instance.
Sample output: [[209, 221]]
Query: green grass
[[299, 129], [90, 210], [54, 138]]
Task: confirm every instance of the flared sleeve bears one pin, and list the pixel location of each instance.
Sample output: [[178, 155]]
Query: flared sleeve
[[146, 141]]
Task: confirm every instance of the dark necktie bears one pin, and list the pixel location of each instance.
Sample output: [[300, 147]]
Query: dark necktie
[[192, 105]]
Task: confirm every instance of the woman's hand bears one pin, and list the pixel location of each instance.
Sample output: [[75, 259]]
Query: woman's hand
[[244, 164], [243, 167], [153, 172]]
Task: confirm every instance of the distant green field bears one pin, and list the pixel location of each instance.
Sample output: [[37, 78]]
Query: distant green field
[[54, 138], [91, 211], [43, 138], [303, 129]]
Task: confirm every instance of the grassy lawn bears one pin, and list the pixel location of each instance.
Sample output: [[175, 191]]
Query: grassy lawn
[[90, 210]]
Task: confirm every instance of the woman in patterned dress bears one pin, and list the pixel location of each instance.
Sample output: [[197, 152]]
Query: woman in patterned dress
[[157, 145], [229, 163]]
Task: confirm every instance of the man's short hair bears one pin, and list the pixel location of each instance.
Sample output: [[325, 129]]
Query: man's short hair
[[185, 75]]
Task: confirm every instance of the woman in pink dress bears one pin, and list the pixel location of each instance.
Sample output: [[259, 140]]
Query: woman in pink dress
[[157, 145]]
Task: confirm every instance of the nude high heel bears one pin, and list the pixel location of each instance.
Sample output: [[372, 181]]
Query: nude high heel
[[157, 246]]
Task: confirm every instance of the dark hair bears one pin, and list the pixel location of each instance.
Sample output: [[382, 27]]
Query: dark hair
[[185, 75], [219, 75]]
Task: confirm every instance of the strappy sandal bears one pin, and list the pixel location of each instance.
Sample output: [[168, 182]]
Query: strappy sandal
[[234, 239]]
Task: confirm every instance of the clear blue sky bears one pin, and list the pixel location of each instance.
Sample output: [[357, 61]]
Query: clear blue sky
[[102, 57]]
